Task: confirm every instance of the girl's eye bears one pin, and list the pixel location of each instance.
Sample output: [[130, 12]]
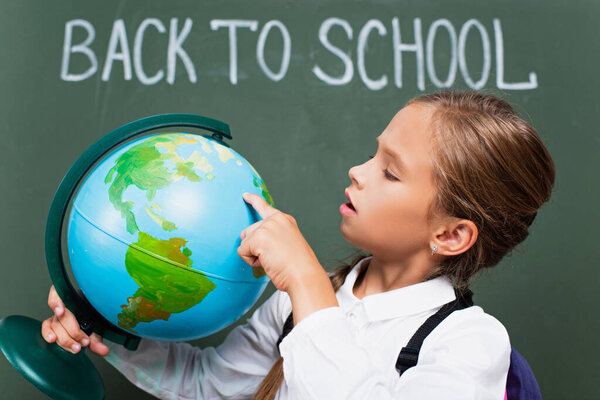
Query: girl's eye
[[387, 173], [389, 176]]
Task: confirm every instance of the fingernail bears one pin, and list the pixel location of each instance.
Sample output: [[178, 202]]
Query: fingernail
[[50, 337], [85, 341], [75, 348], [58, 310]]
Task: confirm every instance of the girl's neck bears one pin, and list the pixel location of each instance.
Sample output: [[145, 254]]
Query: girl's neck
[[378, 276]]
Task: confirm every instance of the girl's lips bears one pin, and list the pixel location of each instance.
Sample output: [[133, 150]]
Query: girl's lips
[[347, 210], [349, 199]]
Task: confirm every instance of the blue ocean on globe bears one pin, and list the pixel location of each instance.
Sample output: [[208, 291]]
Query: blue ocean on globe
[[153, 236]]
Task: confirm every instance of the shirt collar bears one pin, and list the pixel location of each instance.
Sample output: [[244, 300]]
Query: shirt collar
[[396, 303]]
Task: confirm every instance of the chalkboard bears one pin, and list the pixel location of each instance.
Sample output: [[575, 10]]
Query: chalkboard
[[306, 86]]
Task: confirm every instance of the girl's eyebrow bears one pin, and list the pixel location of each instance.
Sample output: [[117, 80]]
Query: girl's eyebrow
[[395, 155]]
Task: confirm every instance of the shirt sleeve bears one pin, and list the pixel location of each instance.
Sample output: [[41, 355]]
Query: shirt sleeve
[[233, 370], [464, 358]]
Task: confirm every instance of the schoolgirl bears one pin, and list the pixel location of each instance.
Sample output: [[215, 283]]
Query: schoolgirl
[[457, 180]]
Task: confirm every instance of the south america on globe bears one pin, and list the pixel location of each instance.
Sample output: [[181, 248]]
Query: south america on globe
[[153, 234]]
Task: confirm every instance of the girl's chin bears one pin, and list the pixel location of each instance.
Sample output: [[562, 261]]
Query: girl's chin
[[349, 234]]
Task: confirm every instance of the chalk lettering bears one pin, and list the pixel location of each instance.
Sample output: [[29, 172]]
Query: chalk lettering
[[462, 59], [428, 51], [82, 48], [400, 47], [118, 38], [363, 38], [348, 66], [137, 52], [233, 24], [175, 50], [287, 50], [531, 84], [430, 58]]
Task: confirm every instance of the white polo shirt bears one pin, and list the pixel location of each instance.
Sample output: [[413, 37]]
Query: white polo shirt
[[345, 352]]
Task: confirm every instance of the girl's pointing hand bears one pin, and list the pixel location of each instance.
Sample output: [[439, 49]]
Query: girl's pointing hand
[[276, 244]]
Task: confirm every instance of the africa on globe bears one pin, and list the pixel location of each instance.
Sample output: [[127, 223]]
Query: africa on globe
[[153, 236]]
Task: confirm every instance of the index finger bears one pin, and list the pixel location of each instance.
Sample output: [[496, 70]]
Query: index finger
[[263, 208]]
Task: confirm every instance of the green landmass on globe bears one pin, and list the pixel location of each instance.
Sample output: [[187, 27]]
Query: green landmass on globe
[[162, 268], [166, 284]]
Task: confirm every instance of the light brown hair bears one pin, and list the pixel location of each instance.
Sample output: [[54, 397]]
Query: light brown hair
[[489, 166]]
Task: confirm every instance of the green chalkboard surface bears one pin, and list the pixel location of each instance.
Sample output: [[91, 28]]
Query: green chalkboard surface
[[306, 86]]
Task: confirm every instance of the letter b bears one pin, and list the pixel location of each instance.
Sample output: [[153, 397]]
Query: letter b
[[82, 48]]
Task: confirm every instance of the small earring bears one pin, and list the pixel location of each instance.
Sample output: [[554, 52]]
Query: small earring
[[433, 249]]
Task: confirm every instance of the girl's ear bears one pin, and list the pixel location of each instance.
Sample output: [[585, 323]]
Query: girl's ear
[[455, 237]]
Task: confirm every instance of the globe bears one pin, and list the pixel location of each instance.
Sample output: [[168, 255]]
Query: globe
[[153, 232]]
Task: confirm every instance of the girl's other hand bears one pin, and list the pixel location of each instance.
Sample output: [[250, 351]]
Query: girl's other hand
[[63, 329]]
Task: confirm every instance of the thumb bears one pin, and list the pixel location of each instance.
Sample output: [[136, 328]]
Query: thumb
[[96, 345]]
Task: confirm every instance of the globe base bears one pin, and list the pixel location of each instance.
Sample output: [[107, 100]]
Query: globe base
[[57, 373]]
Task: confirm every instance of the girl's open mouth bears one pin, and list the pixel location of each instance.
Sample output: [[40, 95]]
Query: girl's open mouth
[[347, 209]]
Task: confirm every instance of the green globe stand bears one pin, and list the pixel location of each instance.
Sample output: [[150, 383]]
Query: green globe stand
[[56, 372], [59, 374]]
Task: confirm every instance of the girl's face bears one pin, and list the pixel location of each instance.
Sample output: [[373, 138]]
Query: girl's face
[[390, 194]]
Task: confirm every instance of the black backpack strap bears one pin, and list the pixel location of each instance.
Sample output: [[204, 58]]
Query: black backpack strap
[[287, 327], [409, 355]]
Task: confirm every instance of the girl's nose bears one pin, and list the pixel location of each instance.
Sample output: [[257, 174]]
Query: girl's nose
[[355, 177]]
